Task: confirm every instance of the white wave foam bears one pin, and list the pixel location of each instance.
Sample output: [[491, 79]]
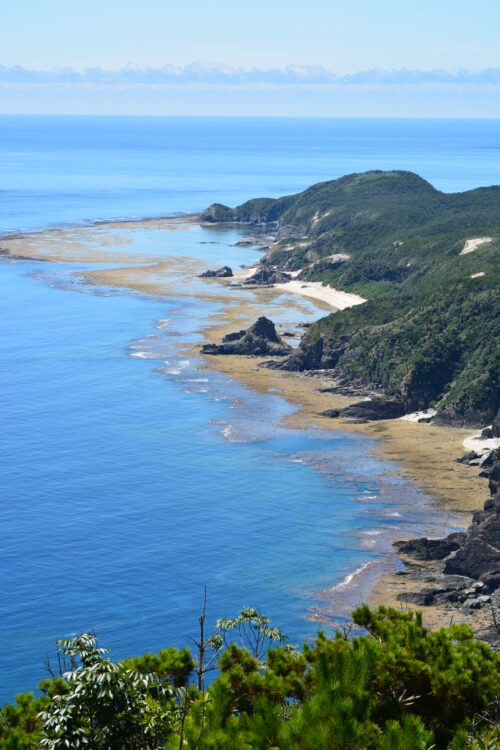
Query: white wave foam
[[394, 515], [228, 432], [347, 580]]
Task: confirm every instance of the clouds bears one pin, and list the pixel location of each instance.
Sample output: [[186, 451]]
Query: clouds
[[201, 88], [211, 74]]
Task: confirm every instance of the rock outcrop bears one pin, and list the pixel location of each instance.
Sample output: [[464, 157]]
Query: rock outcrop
[[369, 410], [260, 339], [466, 564], [494, 430], [303, 358], [267, 277], [315, 355], [221, 273], [430, 549]]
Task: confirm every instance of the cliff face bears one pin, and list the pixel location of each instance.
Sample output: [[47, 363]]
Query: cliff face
[[429, 334]]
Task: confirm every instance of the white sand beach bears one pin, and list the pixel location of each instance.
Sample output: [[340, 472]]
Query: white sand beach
[[336, 299], [480, 444]]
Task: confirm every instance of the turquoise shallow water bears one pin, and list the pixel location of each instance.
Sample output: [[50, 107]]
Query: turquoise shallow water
[[129, 477]]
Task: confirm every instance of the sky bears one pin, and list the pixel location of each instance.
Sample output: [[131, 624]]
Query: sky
[[340, 58]]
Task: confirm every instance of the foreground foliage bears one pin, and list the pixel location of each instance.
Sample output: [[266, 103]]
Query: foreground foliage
[[392, 686]]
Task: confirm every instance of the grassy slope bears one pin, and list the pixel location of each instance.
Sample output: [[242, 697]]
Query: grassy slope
[[429, 333]]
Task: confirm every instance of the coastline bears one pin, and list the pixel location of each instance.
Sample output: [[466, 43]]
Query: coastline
[[425, 453]]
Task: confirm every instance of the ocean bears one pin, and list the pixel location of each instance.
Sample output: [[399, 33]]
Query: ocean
[[130, 478]]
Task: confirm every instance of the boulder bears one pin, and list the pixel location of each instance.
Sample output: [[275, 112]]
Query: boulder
[[429, 549], [477, 602], [443, 590], [221, 273], [475, 559], [370, 410], [468, 457], [260, 339]]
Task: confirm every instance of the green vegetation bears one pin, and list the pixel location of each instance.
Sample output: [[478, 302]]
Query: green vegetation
[[429, 333], [392, 686]]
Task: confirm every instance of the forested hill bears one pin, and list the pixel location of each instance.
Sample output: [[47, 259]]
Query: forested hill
[[429, 333]]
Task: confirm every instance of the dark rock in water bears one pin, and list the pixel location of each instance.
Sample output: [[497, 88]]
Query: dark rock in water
[[221, 273], [333, 413], [267, 277], [288, 334], [367, 411], [429, 549], [246, 243], [260, 339]]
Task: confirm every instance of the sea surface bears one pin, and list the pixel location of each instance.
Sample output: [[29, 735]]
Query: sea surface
[[130, 478]]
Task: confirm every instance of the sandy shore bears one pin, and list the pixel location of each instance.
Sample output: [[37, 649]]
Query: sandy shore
[[316, 290]]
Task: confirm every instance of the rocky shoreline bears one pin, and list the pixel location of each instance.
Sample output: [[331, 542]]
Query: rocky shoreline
[[462, 569]]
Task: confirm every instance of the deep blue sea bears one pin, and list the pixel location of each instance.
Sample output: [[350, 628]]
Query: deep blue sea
[[129, 477]]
